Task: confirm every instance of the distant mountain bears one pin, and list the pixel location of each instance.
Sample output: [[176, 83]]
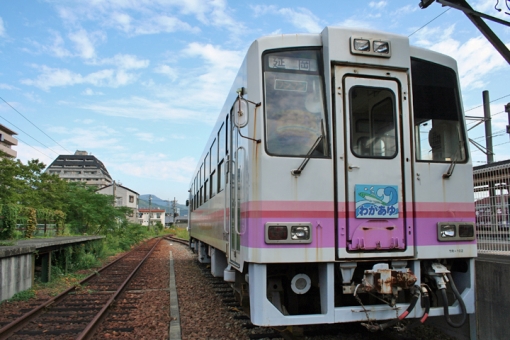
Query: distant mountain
[[157, 202]]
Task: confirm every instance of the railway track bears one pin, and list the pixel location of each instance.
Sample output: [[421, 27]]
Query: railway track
[[176, 239], [224, 294], [77, 312]]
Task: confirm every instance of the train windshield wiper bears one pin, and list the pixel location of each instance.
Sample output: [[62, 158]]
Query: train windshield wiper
[[297, 172]]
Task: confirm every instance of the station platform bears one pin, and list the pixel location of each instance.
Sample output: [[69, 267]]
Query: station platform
[[18, 262]]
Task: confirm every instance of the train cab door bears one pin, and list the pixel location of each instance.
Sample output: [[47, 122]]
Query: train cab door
[[373, 163], [237, 173]]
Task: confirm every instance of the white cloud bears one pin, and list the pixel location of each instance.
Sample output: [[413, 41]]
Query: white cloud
[[100, 137], [148, 137], [124, 61], [53, 77], [2, 27], [403, 10], [27, 152], [355, 23], [143, 108], [159, 167], [89, 92], [301, 18], [56, 47], [161, 24], [84, 43], [214, 55], [7, 87], [378, 4], [167, 71], [258, 10], [206, 87], [150, 17], [84, 121], [476, 57]]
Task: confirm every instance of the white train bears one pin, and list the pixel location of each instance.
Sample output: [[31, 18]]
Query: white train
[[336, 185]]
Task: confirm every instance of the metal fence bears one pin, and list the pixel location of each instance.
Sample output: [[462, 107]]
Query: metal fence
[[492, 205]]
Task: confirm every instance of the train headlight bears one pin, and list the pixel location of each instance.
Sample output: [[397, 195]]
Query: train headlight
[[455, 231], [448, 230], [382, 47], [362, 45], [288, 232], [370, 47], [300, 232]]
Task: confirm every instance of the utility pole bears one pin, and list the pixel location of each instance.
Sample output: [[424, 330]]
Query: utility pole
[[168, 209], [114, 194], [507, 109], [488, 126], [174, 211], [150, 203]]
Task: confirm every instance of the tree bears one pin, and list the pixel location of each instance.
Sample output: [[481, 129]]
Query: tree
[[90, 212], [25, 187]]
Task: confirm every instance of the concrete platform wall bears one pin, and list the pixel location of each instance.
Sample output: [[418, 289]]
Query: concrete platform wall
[[493, 296], [16, 271]]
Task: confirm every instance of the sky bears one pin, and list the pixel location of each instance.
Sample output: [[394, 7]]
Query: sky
[[139, 83]]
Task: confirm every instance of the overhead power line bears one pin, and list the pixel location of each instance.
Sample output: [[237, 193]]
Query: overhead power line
[[476, 107], [34, 148], [495, 134], [493, 146], [428, 22], [12, 107], [30, 136]]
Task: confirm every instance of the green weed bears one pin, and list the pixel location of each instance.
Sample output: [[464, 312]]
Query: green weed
[[23, 295]]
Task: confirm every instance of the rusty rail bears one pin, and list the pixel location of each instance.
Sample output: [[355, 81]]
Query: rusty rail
[[19, 323]]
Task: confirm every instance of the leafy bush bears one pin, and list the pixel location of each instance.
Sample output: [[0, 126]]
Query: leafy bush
[[23, 295]]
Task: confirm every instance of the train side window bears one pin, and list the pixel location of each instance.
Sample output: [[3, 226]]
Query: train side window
[[221, 143], [221, 156], [221, 185], [207, 169], [373, 123], [438, 123], [214, 166], [206, 184], [200, 176], [196, 192]]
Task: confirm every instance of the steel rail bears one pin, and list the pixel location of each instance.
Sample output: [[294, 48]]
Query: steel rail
[[176, 239], [89, 330], [20, 322]]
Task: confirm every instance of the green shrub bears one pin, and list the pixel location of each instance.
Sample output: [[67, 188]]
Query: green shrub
[[23, 295]]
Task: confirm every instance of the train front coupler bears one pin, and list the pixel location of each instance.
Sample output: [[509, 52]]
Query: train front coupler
[[442, 277], [386, 284]]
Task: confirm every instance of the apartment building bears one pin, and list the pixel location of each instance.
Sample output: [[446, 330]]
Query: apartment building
[[81, 167], [7, 141], [147, 216]]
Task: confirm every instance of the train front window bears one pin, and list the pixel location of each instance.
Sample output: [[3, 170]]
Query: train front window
[[373, 122], [294, 104], [439, 132]]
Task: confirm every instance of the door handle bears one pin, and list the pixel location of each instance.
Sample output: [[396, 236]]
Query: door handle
[[353, 167]]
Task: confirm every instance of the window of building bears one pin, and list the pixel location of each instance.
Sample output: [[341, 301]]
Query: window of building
[[131, 199]]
